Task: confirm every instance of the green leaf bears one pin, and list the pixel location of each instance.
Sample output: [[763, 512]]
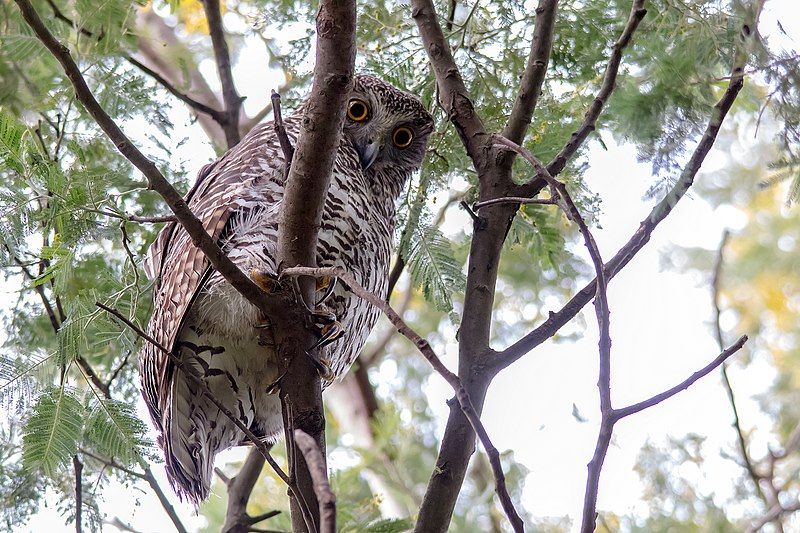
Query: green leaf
[[433, 267], [114, 430], [52, 432]]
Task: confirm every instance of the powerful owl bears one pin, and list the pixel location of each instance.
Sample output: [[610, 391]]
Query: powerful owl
[[216, 333]]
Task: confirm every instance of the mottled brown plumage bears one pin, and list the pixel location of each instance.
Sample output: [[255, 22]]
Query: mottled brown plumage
[[215, 331]]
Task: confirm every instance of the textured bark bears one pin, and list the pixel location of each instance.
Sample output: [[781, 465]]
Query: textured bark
[[306, 190]]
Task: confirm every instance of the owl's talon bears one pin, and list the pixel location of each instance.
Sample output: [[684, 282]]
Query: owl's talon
[[266, 281], [330, 332], [323, 367], [327, 284]]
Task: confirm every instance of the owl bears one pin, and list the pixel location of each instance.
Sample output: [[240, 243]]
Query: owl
[[218, 335]]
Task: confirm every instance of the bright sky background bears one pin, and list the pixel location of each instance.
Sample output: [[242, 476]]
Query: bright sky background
[[659, 326]]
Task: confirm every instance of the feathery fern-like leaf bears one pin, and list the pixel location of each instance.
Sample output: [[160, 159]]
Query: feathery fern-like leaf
[[52, 432], [114, 430], [433, 267]]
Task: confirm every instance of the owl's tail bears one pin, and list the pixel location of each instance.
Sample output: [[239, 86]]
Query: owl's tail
[[191, 440]]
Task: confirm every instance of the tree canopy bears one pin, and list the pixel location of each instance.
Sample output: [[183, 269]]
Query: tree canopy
[[77, 218]]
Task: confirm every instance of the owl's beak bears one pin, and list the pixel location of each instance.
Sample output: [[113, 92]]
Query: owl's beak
[[367, 153]]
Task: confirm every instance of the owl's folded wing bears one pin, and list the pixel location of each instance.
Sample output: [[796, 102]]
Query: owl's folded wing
[[178, 267]]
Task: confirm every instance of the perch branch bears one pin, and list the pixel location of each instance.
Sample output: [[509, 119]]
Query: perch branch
[[306, 188], [425, 349]]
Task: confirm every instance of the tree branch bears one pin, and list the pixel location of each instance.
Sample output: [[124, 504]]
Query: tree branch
[[606, 88], [533, 77], [77, 466], [774, 514], [300, 220], [239, 489], [683, 385], [219, 116], [316, 467], [452, 94], [715, 294], [642, 235], [425, 349], [559, 192], [233, 102], [156, 180]]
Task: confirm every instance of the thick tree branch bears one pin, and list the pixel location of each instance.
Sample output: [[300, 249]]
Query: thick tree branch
[[530, 86], [233, 102], [239, 489], [453, 94], [301, 216]]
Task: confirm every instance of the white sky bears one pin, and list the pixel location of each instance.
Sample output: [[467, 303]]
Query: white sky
[[660, 331]]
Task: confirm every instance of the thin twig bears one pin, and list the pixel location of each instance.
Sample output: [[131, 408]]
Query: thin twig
[[425, 349], [77, 466], [280, 131], [316, 467], [774, 513], [595, 467], [219, 116], [715, 293], [514, 200], [683, 385], [137, 218], [606, 88]]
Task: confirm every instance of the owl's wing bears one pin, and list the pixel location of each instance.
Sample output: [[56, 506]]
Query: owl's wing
[[179, 267]]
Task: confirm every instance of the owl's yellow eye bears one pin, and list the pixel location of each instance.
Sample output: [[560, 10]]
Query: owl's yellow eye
[[402, 137], [357, 110]]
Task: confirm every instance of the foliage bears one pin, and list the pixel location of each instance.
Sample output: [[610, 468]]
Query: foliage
[[61, 251]]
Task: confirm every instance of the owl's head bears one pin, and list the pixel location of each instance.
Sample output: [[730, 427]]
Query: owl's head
[[388, 128]]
